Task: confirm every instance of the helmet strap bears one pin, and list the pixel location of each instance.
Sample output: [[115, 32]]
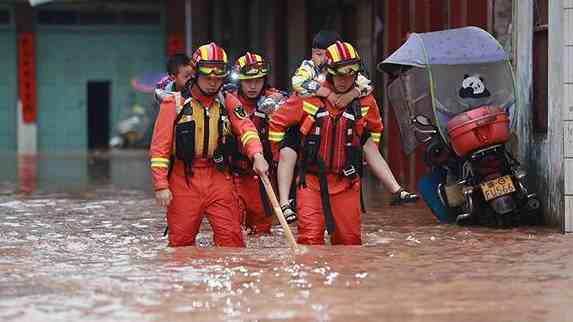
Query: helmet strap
[[205, 93], [263, 90], [330, 79], [186, 92]]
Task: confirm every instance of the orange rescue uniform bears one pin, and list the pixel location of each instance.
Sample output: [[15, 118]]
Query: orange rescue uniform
[[344, 192], [206, 191], [258, 217]]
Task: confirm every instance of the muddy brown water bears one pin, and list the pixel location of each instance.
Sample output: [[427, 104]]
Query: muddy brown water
[[85, 244]]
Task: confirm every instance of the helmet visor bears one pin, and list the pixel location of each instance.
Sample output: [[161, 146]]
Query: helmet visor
[[344, 70], [210, 69], [254, 71]]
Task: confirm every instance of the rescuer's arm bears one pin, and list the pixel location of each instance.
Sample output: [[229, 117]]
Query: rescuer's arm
[[160, 150], [245, 130]]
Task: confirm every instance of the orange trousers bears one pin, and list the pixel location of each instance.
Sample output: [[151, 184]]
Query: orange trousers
[[345, 207], [248, 190], [209, 193]]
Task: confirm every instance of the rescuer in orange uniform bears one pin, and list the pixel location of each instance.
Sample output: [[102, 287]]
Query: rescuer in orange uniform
[[193, 139], [308, 81], [260, 101], [335, 139]]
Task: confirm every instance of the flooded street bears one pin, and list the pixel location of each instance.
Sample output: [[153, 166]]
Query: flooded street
[[87, 245]]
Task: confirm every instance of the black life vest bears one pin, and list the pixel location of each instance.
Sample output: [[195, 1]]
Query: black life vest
[[201, 132]]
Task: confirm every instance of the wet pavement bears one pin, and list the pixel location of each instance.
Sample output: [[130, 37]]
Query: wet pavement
[[85, 243]]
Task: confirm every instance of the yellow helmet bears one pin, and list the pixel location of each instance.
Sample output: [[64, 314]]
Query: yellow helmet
[[210, 59], [342, 59], [250, 66]]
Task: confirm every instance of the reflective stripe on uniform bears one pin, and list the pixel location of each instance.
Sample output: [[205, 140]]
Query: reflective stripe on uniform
[[177, 99], [309, 108], [348, 116], [261, 115], [364, 110], [276, 136], [159, 163], [247, 136], [375, 136]]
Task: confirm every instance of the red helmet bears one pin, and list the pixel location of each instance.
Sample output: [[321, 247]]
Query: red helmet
[[210, 60]]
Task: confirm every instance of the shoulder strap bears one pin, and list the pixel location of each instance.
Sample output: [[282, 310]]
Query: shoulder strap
[[355, 108], [223, 118], [177, 97], [221, 98], [186, 107]]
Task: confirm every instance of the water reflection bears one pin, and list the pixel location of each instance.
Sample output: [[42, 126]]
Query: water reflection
[[79, 172], [99, 169], [85, 249], [27, 173]]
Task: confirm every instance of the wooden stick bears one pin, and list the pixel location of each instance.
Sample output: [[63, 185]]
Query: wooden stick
[[278, 212]]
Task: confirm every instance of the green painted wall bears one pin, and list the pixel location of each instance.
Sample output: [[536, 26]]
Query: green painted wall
[[8, 88], [69, 57]]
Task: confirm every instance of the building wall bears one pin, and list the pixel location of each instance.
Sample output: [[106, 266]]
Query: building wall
[[79, 43], [523, 64], [69, 57], [8, 85], [364, 35], [296, 35], [542, 153], [67, 53], [255, 25], [502, 22], [566, 48]]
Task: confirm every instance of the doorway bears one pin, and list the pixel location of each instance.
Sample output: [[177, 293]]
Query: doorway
[[98, 98]]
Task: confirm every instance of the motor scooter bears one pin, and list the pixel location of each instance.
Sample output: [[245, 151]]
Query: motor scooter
[[453, 91]]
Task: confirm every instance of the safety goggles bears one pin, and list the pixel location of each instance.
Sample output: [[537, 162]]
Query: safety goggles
[[345, 70], [218, 70], [255, 70]]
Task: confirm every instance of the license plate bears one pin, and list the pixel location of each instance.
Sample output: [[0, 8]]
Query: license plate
[[497, 188]]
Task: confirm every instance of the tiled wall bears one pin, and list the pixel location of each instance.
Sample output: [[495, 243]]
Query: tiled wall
[[68, 58], [8, 86]]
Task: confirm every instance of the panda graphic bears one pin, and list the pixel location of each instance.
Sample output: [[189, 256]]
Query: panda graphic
[[473, 87]]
